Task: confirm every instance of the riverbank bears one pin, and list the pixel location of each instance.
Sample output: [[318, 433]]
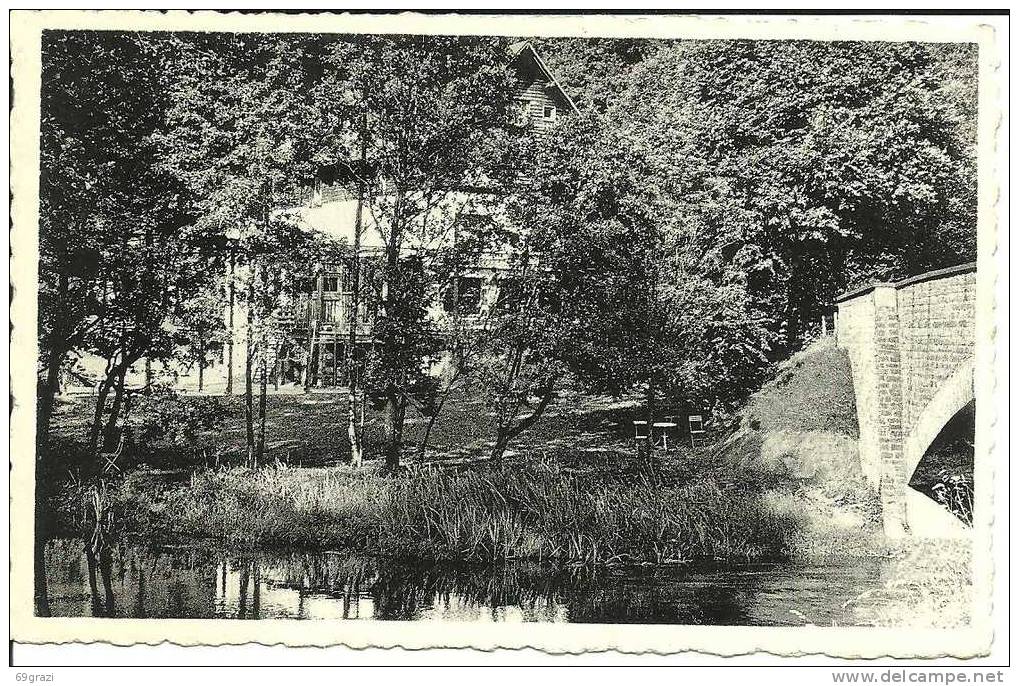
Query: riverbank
[[784, 487], [927, 584], [801, 429]]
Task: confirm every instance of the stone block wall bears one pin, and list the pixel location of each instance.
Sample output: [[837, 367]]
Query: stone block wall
[[937, 330], [855, 334], [905, 342]]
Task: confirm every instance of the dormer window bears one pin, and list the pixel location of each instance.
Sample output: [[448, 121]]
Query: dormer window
[[548, 112]]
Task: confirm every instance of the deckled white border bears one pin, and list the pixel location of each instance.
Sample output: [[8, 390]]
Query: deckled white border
[[570, 638]]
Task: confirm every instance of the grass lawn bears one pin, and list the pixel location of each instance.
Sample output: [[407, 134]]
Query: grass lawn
[[311, 430]]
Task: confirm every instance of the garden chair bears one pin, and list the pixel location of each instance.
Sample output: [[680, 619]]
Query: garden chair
[[698, 434], [110, 459], [641, 432]]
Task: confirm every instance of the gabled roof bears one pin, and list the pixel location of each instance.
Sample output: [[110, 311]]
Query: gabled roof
[[523, 50]]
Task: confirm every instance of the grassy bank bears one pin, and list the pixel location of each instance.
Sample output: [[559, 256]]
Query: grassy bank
[[801, 429], [536, 510]]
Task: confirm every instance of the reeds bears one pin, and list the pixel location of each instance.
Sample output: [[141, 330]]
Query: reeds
[[537, 511]]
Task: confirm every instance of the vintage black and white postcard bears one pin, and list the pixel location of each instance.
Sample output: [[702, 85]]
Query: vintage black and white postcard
[[653, 334]]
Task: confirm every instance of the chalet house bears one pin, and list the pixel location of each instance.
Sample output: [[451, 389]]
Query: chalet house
[[321, 314]]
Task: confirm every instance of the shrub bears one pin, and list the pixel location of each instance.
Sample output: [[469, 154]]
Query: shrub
[[955, 492], [168, 427]]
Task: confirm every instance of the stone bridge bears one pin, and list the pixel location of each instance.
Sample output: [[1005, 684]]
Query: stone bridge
[[911, 345]]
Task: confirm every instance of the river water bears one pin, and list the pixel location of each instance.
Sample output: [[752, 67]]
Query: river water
[[196, 582]]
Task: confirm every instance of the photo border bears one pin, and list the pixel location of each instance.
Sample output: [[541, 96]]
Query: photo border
[[855, 642]]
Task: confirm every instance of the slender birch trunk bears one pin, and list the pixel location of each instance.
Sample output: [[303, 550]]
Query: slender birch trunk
[[249, 417], [353, 430], [263, 387], [231, 288]]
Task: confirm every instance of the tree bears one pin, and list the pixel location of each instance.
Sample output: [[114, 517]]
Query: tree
[[119, 255], [431, 108], [595, 71], [637, 308], [808, 167], [243, 137], [517, 369], [831, 163], [202, 322], [278, 254]]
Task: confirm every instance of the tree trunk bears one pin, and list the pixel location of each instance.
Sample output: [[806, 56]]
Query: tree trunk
[[315, 360], [423, 448], [276, 364], [260, 452], [306, 380], [353, 431], [93, 584], [256, 589], [393, 427], [47, 397], [242, 604], [58, 346], [42, 599], [230, 325], [249, 417], [148, 376], [436, 411], [502, 440], [100, 408], [109, 432], [106, 573], [507, 432], [649, 455], [47, 393]]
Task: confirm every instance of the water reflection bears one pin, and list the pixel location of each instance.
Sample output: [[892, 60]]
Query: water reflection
[[135, 581]]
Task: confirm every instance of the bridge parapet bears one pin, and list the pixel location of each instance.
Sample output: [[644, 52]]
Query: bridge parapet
[[910, 344]]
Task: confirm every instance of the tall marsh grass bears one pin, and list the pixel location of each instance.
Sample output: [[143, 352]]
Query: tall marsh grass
[[538, 512]]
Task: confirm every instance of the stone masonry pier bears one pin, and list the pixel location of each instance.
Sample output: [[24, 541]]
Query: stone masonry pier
[[910, 344]]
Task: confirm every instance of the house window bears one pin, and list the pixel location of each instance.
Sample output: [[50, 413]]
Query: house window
[[334, 312], [548, 112], [329, 284], [468, 296], [472, 222]]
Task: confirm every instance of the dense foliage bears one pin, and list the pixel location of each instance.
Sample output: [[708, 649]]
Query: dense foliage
[[684, 232], [799, 169]]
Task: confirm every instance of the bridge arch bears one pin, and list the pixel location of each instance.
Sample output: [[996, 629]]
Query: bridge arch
[[911, 345], [950, 398]]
